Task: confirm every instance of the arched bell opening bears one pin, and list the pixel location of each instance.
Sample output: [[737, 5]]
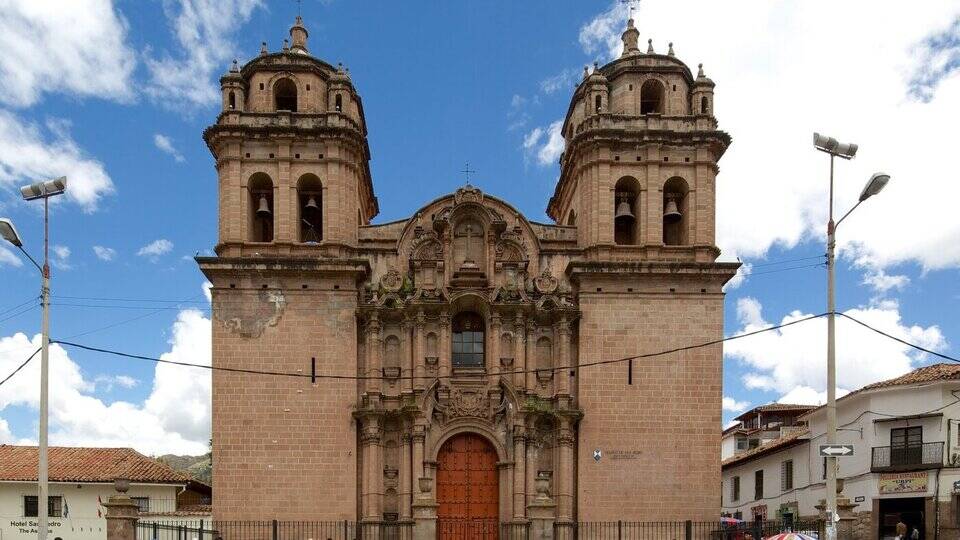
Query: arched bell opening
[[285, 95], [651, 97], [704, 105], [310, 208], [572, 218], [675, 210], [260, 223], [625, 219]]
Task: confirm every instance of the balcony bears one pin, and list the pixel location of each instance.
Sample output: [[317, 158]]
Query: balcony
[[913, 457]]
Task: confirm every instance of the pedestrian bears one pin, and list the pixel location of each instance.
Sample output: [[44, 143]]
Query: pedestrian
[[915, 533], [901, 531]]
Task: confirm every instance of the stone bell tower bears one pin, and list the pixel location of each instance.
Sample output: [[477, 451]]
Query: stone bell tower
[[294, 187], [637, 180]]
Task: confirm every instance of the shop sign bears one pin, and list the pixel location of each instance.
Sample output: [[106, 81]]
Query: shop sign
[[910, 482]]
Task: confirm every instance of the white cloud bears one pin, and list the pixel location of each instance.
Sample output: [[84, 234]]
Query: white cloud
[[203, 29], [104, 253], [732, 405], [106, 383], [155, 249], [166, 146], [175, 418], [882, 282], [9, 258], [730, 424], [601, 36], [795, 356], [206, 290], [546, 143], [771, 73], [517, 114], [561, 81], [804, 395], [77, 47], [741, 276], [532, 138], [61, 257], [27, 153]]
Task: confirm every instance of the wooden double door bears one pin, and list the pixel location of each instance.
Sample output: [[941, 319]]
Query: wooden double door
[[468, 489]]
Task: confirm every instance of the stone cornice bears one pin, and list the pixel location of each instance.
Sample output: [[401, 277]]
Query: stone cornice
[[224, 265], [716, 270]]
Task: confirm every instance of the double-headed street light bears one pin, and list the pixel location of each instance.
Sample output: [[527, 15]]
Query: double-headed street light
[[876, 183], [40, 190]]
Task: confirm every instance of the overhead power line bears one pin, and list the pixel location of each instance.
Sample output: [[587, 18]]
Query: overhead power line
[[14, 372], [430, 377], [895, 338]]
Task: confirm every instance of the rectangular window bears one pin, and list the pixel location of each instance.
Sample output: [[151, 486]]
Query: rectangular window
[[786, 475], [735, 489], [143, 503], [758, 485], [31, 506], [906, 446]]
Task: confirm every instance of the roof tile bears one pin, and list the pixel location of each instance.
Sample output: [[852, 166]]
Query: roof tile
[[68, 464]]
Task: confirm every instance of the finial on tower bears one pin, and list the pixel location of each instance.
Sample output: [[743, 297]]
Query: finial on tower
[[630, 37], [586, 71], [298, 33], [235, 68], [286, 45], [670, 52], [650, 46], [700, 71], [263, 48]]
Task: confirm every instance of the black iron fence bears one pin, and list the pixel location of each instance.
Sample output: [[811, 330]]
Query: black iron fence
[[483, 529]]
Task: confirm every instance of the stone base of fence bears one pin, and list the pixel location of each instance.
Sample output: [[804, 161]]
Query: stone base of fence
[[122, 515]]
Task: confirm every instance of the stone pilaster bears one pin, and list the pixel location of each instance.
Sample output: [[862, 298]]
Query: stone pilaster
[[372, 478], [374, 361], [406, 357], [564, 472], [419, 370], [122, 515], [444, 352], [406, 484], [564, 361], [519, 472], [519, 357]]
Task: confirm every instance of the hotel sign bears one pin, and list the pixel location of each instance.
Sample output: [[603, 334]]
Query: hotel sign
[[909, 482]]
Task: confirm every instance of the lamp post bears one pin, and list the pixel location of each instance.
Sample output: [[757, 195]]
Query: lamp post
[[40, 190], [876, 183]]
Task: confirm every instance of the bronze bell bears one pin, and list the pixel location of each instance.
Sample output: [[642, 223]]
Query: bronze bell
[[264, 209], [311, 204], [671, 214], [624, 211]]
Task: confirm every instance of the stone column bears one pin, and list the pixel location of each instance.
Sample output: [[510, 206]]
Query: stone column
[[531, 466], [406, 485], [519, 473], [424, 505], [444, 351], [531, 362], [565, 470], [372, 486], [541, 512], [419, 370], [121, 517], [406, 362], [493, 364], [563, 374], [519, 357], [374, 364]]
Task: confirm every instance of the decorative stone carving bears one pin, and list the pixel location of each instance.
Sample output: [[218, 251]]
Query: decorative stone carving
[[545, 282], [468, 193], [467, 403], [392, 281]]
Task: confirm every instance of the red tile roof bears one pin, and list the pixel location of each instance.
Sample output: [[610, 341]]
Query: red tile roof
[[775, 407], [67, 464], [786, 441]]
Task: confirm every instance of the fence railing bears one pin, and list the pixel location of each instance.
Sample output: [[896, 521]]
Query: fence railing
[[484, 529], [907, 457], [311, 530]]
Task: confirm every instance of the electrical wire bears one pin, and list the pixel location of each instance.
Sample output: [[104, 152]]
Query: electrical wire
[[895, 338], [430, 377], [785, 261], [122, 322], [17, 314], [25, 362], [8, 310], [751, 274], [147, 300], [108, 306]]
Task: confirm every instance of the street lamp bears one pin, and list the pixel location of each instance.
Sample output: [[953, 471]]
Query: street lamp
[[40, 190], [876, 183]]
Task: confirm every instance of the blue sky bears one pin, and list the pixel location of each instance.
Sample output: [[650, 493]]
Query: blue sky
[[115, 95]]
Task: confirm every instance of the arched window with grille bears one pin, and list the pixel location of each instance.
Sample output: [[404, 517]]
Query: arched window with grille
[[468, 340]]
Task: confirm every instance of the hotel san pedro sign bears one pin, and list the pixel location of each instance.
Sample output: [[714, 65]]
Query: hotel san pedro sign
[[908, 482]]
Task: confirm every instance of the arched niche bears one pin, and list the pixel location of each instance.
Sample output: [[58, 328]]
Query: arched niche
[[651, 97], [676, 221], [285, 95], [310, 209], [261, 209], [626, 211], [469, 243]]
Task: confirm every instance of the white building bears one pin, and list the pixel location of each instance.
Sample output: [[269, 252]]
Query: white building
[[81, 480], [907, 449], [760, 425]]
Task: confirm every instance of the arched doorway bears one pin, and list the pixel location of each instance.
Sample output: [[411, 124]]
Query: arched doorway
[[468, 490]]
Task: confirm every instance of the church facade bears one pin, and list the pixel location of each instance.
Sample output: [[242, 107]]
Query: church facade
[[466, 364]]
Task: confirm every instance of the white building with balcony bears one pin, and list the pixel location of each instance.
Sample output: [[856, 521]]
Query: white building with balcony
[[906, 463]]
